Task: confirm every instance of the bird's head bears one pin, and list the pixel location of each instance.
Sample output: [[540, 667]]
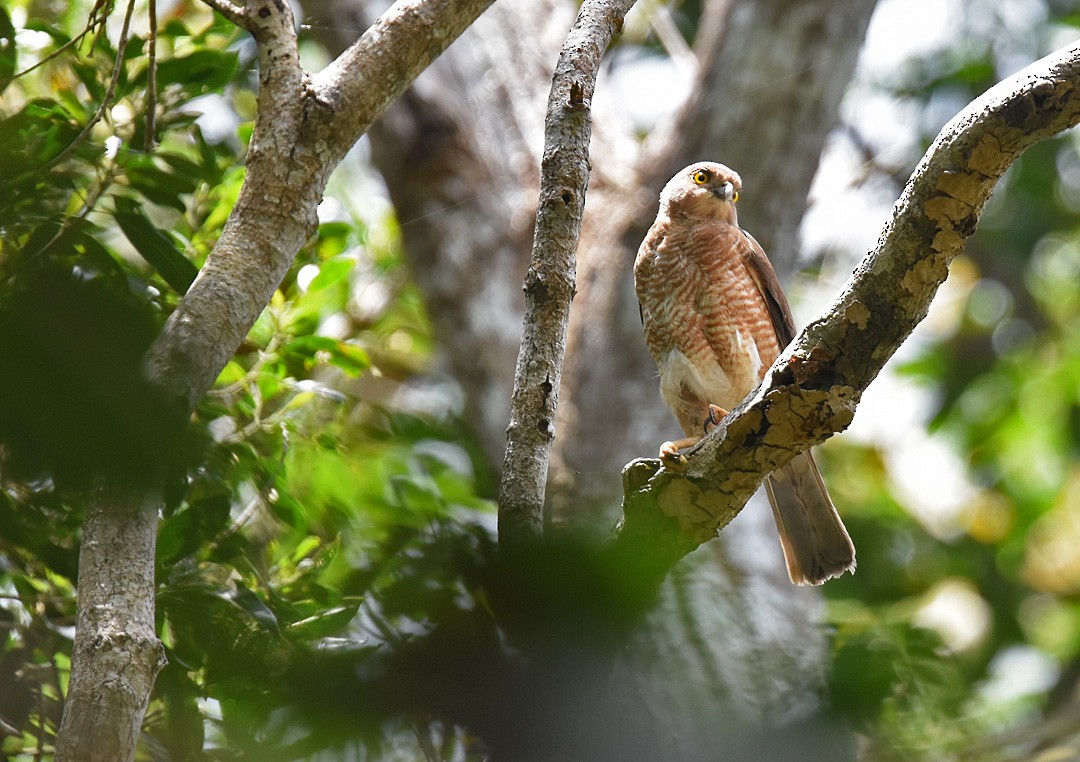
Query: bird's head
[[704, 190]]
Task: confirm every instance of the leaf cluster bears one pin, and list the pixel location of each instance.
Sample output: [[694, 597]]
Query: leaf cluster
[[302, 497]]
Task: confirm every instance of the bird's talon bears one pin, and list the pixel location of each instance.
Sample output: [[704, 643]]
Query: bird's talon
[[671, 458], [716, 414]]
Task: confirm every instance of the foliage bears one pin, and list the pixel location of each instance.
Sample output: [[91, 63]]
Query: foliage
[[1003, 378], [301, 488], [324, 564]]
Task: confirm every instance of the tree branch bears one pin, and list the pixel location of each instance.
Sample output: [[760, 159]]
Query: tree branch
[[229, 10], [812, 390], [116, 655], [273, 216], [304, 127], [550, 281]]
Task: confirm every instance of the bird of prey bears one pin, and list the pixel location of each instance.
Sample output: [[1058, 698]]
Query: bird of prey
[[715, 319]]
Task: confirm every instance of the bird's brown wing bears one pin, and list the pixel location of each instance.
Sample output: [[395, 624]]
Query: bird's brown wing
[[764, 276], [815, 543]]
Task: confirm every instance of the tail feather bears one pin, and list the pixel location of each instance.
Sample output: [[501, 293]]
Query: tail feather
[[816, 545]]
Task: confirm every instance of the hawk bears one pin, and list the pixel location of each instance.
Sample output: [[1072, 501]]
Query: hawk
[[715, 319]]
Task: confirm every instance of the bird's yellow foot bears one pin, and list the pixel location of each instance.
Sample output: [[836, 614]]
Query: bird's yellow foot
[[671, 458]]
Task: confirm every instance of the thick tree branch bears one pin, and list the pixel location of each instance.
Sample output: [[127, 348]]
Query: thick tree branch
[[550, 281], [116, 655], [813, 388], [273, 216]]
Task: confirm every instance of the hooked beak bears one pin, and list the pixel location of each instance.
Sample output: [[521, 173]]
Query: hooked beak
[[724, 192]]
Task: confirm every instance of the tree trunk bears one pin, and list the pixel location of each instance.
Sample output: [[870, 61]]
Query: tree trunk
[[116, 655]]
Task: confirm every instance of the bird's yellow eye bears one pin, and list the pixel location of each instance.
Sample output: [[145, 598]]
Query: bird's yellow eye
[[700, 176], [734, 196]]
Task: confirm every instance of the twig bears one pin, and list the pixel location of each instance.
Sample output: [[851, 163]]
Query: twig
[[550, 281], [110, 90]]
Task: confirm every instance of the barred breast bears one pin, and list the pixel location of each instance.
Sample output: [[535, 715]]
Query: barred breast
[[706, 323]]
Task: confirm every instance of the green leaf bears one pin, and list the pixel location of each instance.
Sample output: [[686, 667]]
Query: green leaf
[[184, 533], [253, 606], [201, 72], [348, 357], [288, 510], [185, 167], [331, 273], [59, 36], [155, 247], [327, 293], [161, 187], [324, 623], [91, 78], [174, 28], [146, 172]]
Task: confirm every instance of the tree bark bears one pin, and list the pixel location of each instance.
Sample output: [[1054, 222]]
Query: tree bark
[[550, 281], [304, 126], [116, 655]]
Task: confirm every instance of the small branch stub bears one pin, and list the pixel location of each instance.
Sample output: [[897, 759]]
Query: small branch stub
[[577, 97]]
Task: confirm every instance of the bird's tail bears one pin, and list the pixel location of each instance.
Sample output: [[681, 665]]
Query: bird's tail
[[816, 545]]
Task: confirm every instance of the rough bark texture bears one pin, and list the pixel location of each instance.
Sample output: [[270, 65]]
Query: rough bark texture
[[549, 283], [117, 654], [304, 127], [813, 388]]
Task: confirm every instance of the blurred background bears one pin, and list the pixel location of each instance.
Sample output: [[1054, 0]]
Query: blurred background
[[333, 510]]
